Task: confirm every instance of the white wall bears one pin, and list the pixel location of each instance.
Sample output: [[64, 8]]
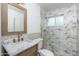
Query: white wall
[[33, 18]]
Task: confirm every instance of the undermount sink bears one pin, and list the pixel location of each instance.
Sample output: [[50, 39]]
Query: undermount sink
[[18, 46], [29, 40]]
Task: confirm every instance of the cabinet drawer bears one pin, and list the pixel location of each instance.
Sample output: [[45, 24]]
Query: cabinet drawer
[[29, 52]]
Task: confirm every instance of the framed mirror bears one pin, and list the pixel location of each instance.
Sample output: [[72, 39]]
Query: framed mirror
[[14, 19]]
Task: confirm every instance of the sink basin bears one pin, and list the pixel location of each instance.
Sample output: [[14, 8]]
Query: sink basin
[[29, 40], [19, 44]]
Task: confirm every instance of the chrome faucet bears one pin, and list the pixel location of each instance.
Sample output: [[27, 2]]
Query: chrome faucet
[[19, 37]]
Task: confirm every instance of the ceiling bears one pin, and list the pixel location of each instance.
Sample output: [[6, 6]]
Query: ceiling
[[54, 6]]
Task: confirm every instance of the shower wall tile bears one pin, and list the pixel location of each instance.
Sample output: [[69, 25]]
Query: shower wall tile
[[78, 32], [62, 41]]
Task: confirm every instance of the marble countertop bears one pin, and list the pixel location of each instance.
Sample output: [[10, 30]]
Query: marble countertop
[[15, 48]]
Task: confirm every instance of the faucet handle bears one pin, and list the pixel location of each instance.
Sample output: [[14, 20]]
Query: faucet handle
[[22, 39], [14, 40]]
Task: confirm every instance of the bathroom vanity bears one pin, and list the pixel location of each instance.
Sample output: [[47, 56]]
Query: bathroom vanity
[[24, 48]]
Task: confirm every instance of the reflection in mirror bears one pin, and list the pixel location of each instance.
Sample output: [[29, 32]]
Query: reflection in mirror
[[15, 19]]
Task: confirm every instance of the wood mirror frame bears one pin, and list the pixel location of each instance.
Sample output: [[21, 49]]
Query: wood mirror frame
[[4, 19]]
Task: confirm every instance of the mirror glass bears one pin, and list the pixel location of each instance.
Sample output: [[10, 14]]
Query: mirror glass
[[15, 19]]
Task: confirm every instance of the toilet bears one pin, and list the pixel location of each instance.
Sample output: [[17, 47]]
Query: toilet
[[42, 51]]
